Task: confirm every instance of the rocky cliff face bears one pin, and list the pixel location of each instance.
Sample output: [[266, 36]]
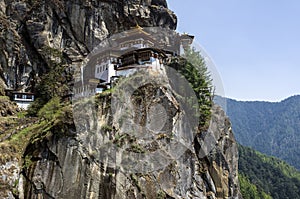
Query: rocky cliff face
[[60, 162], [34, 34], [73, 165], [41, 159]]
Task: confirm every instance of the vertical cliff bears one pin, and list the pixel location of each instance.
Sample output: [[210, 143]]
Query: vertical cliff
[[51, 157], [35, 35], [64, 164]]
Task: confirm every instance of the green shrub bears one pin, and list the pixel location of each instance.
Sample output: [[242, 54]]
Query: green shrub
[[193, 68], [51, 110], [35, 106]]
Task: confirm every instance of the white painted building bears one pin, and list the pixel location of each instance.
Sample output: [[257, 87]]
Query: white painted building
[[105, 69], [22, 99], [136, 49]]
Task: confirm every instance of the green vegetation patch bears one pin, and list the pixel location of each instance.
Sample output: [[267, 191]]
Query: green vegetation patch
[[268, 174], [269, 127], [250, 191], [193, 68], [53, 117]]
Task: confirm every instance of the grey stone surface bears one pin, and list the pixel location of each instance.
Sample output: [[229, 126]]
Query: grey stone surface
[[64, 166]]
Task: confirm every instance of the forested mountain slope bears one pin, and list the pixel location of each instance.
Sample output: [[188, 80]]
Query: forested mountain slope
[[262, 176], [271, 128]]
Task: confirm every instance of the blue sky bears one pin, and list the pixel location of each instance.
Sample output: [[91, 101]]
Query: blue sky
[[255, 44]]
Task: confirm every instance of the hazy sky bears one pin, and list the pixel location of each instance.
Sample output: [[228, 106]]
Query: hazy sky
[[255, 44]]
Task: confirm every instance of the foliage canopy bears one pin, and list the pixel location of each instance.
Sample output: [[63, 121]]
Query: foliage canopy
[[268, 174], [193, 68]]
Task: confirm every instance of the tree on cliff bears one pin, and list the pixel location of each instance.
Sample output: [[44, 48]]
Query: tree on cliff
[[193, 68]]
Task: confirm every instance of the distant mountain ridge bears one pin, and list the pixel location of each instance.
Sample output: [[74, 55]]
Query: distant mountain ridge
[[272, 128]]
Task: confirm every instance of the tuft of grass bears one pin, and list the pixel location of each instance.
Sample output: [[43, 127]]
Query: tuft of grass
[[106, 128], [135, 182], [20, 139], [161, 195], [136, 148]]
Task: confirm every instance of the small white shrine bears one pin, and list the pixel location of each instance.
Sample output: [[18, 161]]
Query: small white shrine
[[23, 99]]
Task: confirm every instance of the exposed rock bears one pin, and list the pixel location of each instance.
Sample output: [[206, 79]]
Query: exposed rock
[[7, 107], [73, 165], [162, 3], [2, 87], [64, 163], [223, 159], [10, 179], [34, 34]]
